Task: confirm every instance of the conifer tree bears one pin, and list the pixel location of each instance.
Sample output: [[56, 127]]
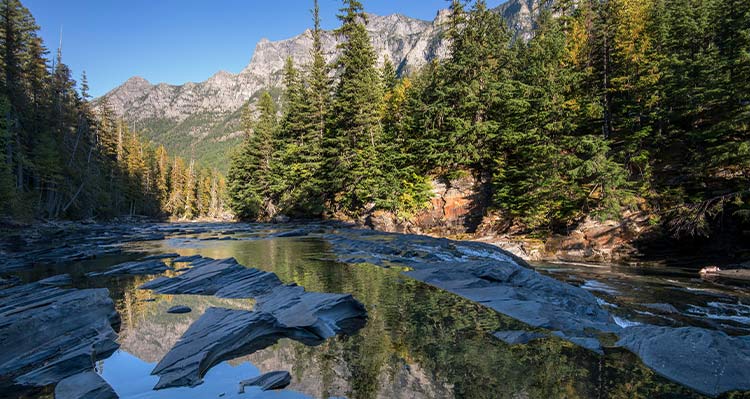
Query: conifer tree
[[250, 170], [352, 168]]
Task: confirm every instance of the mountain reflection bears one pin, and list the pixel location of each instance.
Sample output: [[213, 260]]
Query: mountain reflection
[[419, 341]]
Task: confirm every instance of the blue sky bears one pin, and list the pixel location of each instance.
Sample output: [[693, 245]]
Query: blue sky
[[177, 41]]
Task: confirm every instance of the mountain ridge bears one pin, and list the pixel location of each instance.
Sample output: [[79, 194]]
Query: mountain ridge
[[201, 119]]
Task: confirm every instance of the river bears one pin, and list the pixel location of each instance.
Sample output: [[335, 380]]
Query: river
[[419, 341]]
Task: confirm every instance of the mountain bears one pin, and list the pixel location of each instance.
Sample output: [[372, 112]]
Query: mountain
[[201, 120]]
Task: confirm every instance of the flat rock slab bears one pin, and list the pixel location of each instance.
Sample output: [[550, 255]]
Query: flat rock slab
[[48, 333], [224, 278], [520, 293], [268, 381], [179, 309], [517, 337], [709, 361], [281, 311], [57, 281], [86, 385], [152, 266]]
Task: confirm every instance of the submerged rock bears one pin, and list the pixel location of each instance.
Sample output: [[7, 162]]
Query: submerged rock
[[153, 266], [179, 309], [268, 381], [48, 333], [518, 336], [86, 385], [709, 361]]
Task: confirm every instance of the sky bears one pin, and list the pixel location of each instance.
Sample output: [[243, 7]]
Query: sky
[[178, 41]]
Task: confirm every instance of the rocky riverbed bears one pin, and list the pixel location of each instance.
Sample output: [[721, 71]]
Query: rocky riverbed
[[363, 300]]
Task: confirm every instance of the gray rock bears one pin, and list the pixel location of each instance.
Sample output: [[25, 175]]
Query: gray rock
[[153, 266], [281, 311], [71, 330], [86, 385], [9, 282], [292, 233], [179, 309], [268, 381], [521, 293], [224, 278], [57, 281], [709, 361], [484, 274], [518, 336]]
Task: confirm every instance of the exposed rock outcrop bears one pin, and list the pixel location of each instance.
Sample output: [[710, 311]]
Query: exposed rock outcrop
[[708, 361], [153, 266], [282, 311], [71, 329], [456, 206], [224, 278]]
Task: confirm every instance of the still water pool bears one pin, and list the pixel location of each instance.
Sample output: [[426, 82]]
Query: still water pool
[[419, 341]]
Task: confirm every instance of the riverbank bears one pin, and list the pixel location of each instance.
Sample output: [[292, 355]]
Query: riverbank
[[460, 209]]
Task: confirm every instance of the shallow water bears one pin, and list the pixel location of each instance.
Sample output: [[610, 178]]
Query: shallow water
[[661, 295], [419, 341]]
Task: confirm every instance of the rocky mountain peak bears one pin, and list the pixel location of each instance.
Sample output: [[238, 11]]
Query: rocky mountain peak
[[196, 116]]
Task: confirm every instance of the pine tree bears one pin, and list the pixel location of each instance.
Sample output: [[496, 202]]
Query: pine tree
[[250, 170], [352, 168]]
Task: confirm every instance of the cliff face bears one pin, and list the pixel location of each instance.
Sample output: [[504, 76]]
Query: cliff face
[[201, 120]]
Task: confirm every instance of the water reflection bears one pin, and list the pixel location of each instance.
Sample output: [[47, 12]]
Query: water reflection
[[419, 341]]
